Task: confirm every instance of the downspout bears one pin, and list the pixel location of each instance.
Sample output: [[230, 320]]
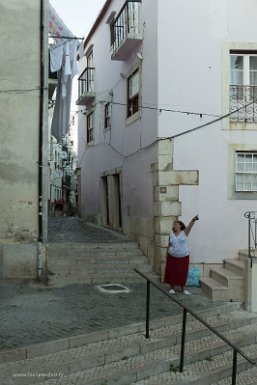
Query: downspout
[[40, 142]]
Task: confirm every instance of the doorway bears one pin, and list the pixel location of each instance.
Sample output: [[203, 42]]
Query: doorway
[[112, 201]]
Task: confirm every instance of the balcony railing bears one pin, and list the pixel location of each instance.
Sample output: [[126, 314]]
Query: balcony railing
[[86, 88], [241, 96], [125, 30]]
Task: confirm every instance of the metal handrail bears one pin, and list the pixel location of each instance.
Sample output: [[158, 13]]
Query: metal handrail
[[186, 309], [252, 233]]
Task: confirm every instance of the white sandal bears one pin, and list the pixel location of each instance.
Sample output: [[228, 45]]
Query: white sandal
[[186, 292], [172, 291]]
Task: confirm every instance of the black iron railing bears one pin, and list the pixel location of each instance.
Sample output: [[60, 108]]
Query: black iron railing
[[87, 82], [126, 22], [252, 233], [243, 96], [187, 310]]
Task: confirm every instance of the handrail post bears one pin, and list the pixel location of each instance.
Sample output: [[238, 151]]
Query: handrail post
[[147, 326], [183, 340], [234, 367], [255, 232], [249, 235]]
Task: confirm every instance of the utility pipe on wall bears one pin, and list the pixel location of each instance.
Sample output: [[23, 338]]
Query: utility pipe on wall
[[40, 140]]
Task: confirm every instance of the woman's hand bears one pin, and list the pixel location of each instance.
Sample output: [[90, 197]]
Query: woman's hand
[[196, 218]]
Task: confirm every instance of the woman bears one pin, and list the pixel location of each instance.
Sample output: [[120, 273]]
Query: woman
[[178, 256]]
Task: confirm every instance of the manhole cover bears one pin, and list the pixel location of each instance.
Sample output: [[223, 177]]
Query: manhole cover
[[113, 288]]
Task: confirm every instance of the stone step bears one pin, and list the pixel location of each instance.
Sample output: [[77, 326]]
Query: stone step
[[95, 268], [214, 289], [114, 259], [91, 246], [96, 253], [235, 265], [140, 366], [104, 352], [128, 277], [243, 255], [247, 377], [205, 372], [233, 281], [65, 265], [218, 316]]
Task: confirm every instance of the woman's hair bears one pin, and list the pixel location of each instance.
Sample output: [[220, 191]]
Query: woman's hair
[[181, 224]]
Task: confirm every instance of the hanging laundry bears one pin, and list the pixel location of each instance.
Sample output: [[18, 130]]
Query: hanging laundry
[[63, 60]]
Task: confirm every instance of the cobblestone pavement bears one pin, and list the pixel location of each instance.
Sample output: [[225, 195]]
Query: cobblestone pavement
[[73, 229], [31, 313]]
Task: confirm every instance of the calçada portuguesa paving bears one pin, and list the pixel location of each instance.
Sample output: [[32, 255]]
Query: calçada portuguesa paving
[[32, 312]]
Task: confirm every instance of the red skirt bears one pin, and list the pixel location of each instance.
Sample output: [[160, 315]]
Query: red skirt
[[176, 270]]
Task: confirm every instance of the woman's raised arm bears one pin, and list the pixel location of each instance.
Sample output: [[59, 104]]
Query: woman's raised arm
[[191, 224]]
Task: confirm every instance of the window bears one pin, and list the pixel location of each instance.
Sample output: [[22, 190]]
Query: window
[[243, 88], [246, 171], [243, 69], [133, 93], [90, 127], [90, 59], [107, 115]]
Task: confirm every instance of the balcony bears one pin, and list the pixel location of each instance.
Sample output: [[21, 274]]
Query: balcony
[[125, 31], [86, 87], [241, 96]]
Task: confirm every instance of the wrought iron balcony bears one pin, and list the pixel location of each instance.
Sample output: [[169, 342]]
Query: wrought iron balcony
[[125, 30], [241, 96], [86, 89]]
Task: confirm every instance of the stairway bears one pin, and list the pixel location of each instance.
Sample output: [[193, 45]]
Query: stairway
[[123, 356], [96, 263], [227, 283]]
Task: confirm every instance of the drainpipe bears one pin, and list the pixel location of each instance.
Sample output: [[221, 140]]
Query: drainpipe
[[40, 142]]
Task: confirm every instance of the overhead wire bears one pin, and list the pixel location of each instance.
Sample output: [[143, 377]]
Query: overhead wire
[[220, 118], [159, 109]]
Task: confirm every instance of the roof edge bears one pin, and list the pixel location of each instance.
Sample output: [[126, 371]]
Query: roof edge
[[97, 22]]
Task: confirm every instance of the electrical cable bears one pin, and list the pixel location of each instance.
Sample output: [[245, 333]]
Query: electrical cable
[[211, 122], [159, 109], [179, 134]]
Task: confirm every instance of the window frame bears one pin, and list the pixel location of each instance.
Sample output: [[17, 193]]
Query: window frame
[[245, 172], [90, 129], [90, 57], [107, 117], [136, 96], [246, 66]]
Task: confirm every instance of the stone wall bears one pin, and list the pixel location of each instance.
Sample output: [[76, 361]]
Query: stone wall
[[141, 230], [167, 207]]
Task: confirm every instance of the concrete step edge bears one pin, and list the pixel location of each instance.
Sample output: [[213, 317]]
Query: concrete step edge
[[227, 274], [92, 245], [245, 377], [220, 367], [57, 345], [143, 366], [213, 284]]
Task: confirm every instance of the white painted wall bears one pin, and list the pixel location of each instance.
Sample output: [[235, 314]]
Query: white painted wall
[[194, 76], [185, 67], [111, 148]]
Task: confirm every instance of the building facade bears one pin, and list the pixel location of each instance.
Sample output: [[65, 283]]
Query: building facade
[[158, 84], [23, 155]]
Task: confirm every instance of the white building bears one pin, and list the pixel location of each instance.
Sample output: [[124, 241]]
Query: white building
[[154, 69]]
